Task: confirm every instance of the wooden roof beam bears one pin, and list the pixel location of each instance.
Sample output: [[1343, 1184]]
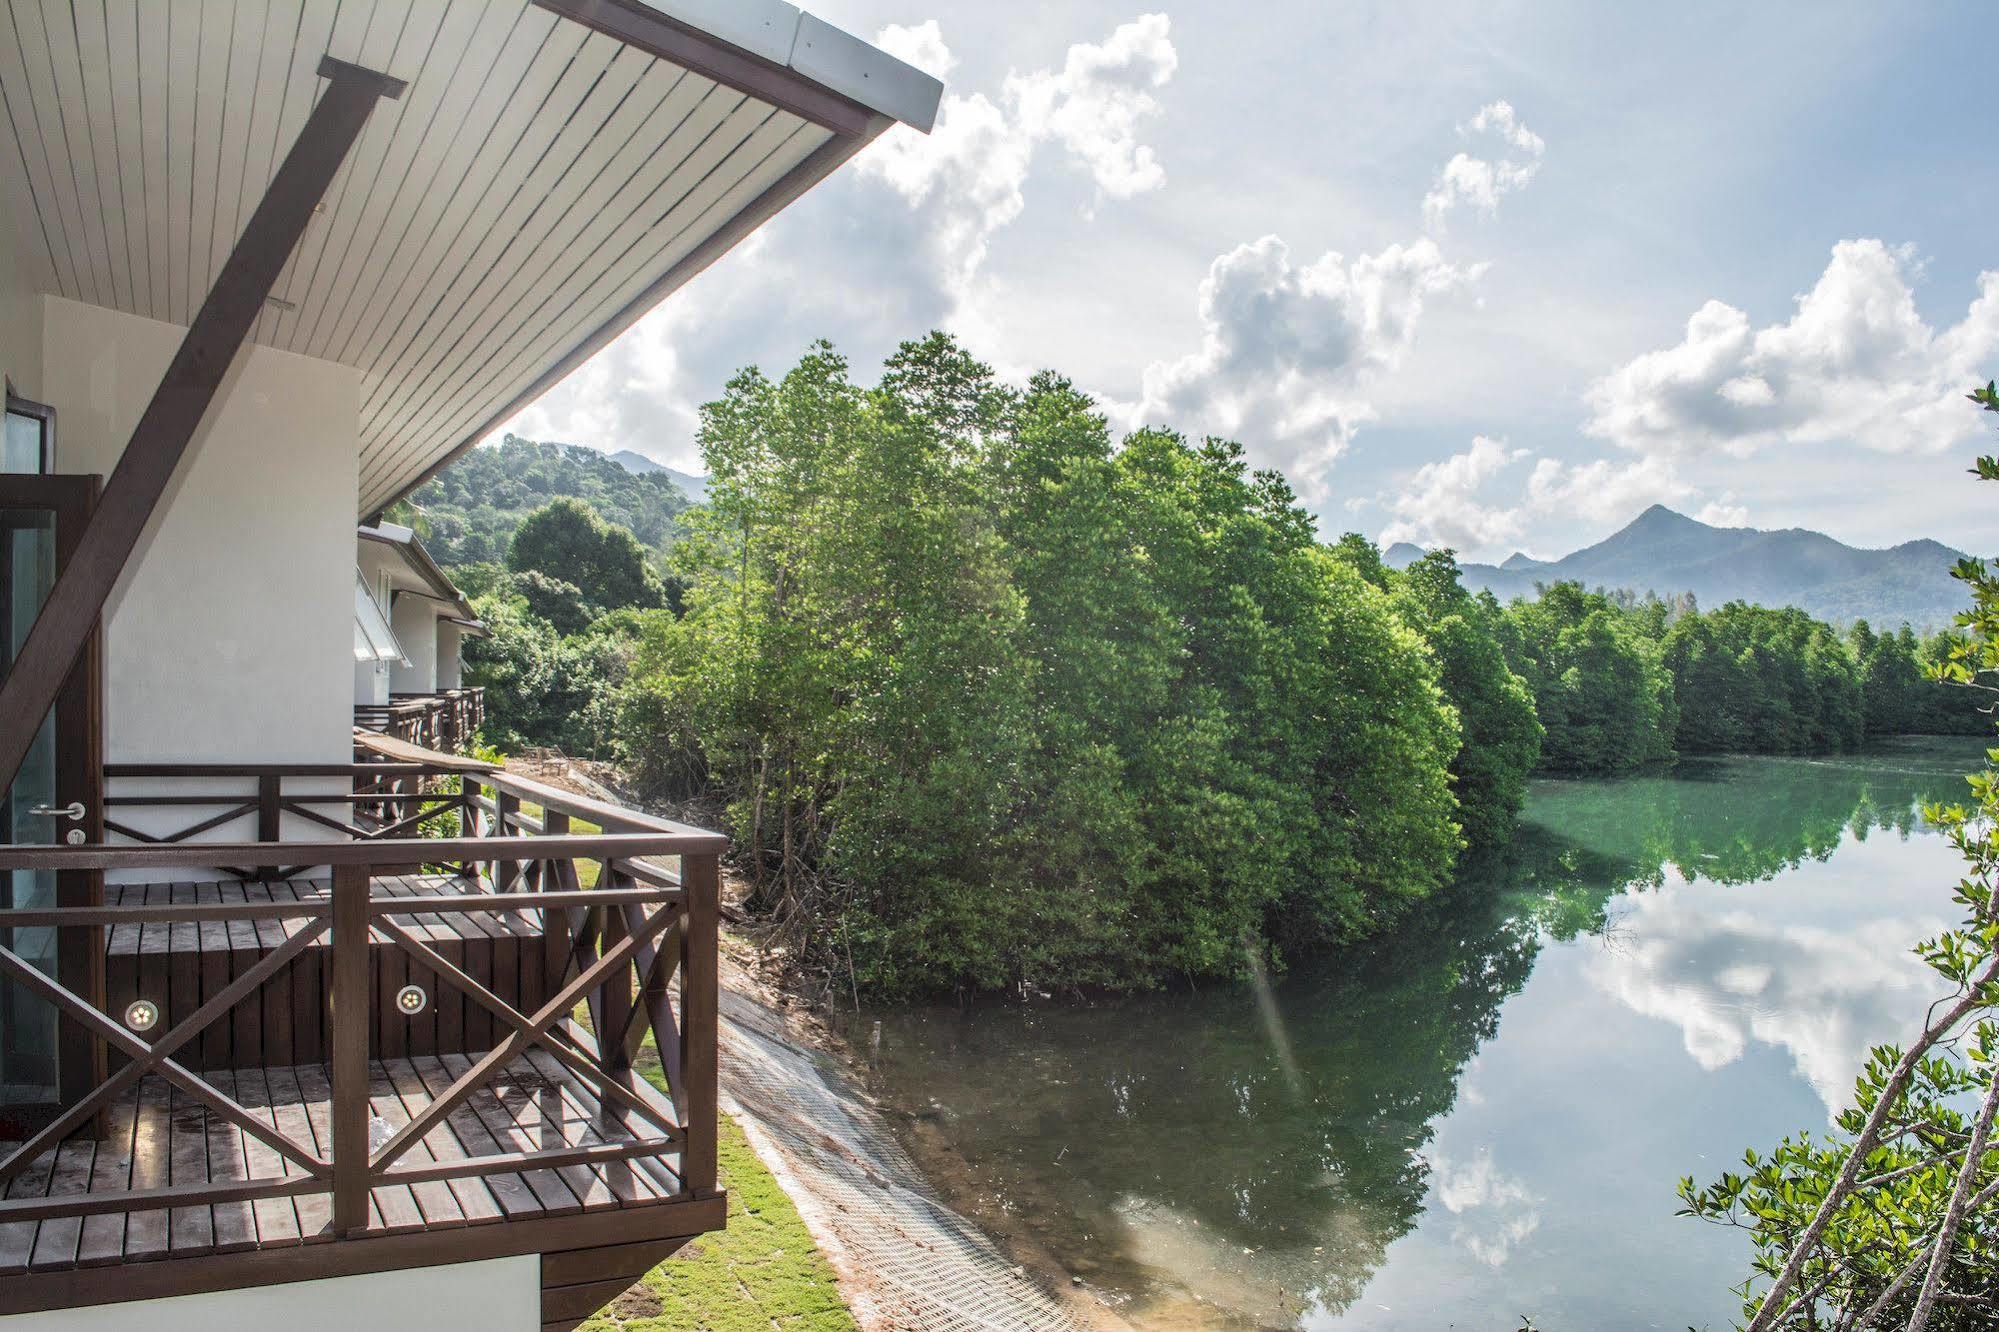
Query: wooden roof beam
[[185, 393]]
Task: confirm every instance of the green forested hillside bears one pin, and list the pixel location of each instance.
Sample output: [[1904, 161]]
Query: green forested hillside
[[470, 510]]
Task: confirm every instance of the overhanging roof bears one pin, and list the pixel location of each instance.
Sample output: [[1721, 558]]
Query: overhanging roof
[[555, 169], [416, 557]]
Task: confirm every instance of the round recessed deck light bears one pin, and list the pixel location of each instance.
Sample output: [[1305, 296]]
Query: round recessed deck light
[[411, 1000], [142, 1015]]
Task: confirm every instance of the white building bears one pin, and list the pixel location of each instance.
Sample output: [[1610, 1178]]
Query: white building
[[410, 627], [265, 266]]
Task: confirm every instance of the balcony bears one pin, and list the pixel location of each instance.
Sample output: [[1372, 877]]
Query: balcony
[[376, 1049], [445, 720]]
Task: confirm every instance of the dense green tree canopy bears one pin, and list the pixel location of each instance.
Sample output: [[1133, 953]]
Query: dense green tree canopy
[[997, 701], [1748, 679], [1603, 694], [566, 540], [1501, 740]]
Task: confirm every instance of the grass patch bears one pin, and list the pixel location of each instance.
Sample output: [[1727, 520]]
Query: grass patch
[[763, 1272]]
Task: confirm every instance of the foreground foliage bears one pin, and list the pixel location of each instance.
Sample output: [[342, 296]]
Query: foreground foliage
[[1893, 1219]]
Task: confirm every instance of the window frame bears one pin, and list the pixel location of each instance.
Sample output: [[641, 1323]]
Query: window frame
[[16, 405]]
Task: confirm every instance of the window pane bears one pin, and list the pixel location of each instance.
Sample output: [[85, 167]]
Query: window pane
[[21, 448]]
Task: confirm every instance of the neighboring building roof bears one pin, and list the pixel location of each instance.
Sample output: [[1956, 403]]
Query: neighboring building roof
[[554, 169], [405, 542], [471, 628]]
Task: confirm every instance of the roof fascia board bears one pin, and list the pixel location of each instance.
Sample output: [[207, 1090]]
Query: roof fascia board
[[418, 559], [657, 34], [843, 62]]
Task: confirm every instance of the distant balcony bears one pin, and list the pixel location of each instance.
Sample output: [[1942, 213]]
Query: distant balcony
[[421, 1039], [445, 720]]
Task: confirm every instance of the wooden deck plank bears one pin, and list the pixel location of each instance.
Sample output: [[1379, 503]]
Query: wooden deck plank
[[159, 1136], [289, 1114], [474, 1195], [553, 1191], [277, 1218], [103, 1238], [190, 1229], [568, 1101], [546, 1123], [56, 1239], [235, 1223], [434, 1204], [513, 1192], [146, 1233], [643, 1180], [17, 1238]]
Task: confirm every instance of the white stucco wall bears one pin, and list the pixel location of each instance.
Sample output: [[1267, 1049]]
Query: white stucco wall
[[498, 1295], [414, 618], [230, 636], [371, 682], [450, 664]]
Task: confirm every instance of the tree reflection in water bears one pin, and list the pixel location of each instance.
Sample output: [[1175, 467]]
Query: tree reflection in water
[[1161, 1147]]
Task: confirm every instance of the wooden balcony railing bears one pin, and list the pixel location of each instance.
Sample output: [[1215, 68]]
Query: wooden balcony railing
[[624, 938], [445, 720]]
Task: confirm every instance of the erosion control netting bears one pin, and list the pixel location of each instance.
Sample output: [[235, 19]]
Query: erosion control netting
[[905, 1259]]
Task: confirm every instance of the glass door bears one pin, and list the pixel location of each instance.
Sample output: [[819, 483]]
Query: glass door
[[46, 1062]]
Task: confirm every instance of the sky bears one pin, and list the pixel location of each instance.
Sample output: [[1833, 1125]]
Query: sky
[[1491, 275]]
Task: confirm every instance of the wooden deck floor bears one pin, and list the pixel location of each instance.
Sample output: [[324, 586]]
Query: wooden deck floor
[[181, 965], [161, 1136]]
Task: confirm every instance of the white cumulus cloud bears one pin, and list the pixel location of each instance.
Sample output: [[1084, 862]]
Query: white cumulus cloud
[[1287, 350], [1855, 364], [1292, 350], [966, 180], [1469, 502], [1481, 181]]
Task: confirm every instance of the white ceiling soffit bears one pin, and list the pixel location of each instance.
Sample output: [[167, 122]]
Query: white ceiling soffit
[[546, 177]]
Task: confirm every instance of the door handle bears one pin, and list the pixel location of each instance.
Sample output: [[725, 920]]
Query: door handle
[[73, 810]]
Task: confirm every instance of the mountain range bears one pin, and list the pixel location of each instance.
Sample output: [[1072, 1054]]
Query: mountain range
[[1666, 552], [694, 487]]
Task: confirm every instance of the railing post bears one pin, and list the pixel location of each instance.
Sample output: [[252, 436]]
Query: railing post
[[555, 924], [270, 817], [468, 819], [350, 1048], [506, 818], [612, 1006], [699, 1014]]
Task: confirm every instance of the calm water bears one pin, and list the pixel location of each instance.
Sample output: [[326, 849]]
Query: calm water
[[1485, 1116]]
